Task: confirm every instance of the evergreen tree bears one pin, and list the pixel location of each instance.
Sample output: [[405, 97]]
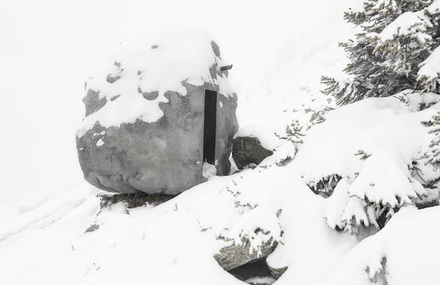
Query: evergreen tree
[[434, 155], [396, 38]]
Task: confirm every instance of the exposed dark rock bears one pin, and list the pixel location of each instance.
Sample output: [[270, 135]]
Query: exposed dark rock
[[92, 102], [215, 48], [150, 95], [234, 256], [112, 79], [277, 272], [248, 150], [246, 264], [257, 268], [115, 97], [226, 67], [92, 228]]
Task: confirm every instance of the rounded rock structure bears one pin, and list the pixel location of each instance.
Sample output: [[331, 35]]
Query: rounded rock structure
[[156, 114]]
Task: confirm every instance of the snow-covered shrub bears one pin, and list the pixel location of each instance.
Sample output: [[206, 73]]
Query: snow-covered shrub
[[417, 101], [383, 186], [325, 186], [395, 49], [428, 74], [434, 155], [296, 131], [370, 154]]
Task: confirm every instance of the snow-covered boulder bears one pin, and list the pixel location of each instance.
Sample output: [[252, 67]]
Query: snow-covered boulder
[[155, 113]]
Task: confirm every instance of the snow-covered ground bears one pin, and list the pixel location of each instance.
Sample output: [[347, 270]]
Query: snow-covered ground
[[50, 48], [279, 51]]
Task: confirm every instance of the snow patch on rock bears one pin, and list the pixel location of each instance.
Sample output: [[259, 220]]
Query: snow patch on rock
[[158, 63]]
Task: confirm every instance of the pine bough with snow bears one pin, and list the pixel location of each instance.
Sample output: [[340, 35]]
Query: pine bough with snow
[[396, 48], [395, 53]]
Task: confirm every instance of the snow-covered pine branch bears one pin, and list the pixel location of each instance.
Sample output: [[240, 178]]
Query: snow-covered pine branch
[[394, 50]]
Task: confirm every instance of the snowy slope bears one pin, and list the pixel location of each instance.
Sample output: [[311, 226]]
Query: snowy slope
[[279, 52], [176, 241], [51, 47]]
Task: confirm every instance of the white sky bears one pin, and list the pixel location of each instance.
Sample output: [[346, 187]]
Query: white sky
[[48, 48]]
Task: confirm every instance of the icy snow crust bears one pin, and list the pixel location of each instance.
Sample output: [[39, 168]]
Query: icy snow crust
[[160, 62]]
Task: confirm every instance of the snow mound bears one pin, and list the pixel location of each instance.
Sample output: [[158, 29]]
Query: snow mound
[[254, 208], [185, 232], [393, 256]]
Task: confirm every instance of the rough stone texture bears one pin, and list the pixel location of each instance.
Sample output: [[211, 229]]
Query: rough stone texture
[[92, 228], [92, 102], [233, 256], [247, 150], [112, 79], [115, 97], [150, 95], [277, 272], [162, 157], [165, 156]]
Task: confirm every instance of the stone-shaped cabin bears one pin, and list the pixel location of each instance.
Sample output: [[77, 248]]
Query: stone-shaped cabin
[[159, 110]]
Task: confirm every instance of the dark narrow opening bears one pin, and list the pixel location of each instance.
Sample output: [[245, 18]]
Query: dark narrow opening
[[256, 272], [209, 126]]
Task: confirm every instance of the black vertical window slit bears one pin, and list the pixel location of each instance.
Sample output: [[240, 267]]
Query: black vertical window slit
[[209, 129]]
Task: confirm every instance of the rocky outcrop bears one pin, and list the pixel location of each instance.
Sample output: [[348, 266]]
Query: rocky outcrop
[[255, 273], [245, 262], [248, 250], [248, 151], [235, 255]]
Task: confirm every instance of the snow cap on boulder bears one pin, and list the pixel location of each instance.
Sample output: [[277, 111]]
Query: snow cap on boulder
[[145, 118]]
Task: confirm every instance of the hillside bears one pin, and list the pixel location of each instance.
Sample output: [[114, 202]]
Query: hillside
[[347, 205]]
